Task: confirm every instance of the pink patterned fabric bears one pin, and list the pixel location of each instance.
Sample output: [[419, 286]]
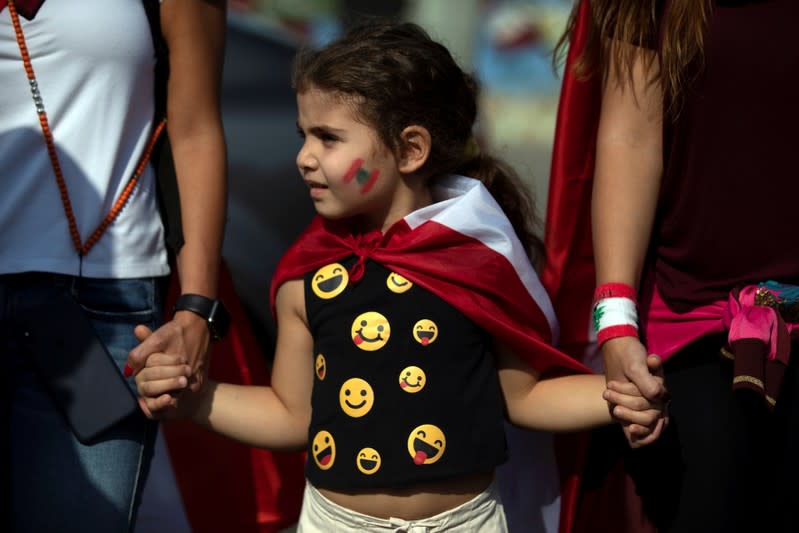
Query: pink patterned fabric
[[759, 338]]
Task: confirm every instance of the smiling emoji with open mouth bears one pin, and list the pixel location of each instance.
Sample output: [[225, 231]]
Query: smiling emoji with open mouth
[[370, 331], [324, 450], [330, 281], [321, 367], [368, 461]]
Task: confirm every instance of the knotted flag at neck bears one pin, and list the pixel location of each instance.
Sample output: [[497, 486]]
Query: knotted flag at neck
[[26, 8]]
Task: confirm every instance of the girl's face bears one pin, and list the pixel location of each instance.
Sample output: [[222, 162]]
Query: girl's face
[[348, 170]]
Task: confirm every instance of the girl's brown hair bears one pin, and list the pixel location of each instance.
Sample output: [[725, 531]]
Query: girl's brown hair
[[394, 75], [676, 32]]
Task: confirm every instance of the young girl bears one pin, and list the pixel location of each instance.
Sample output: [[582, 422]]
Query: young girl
[[406, 310]]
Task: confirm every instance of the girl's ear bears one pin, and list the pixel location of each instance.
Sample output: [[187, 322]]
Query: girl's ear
[[416, 143]]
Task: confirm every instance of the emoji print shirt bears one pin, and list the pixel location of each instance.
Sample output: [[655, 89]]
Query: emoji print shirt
[[405, 388]]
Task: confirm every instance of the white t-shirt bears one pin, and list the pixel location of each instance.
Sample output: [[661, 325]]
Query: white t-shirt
[[94, 62]]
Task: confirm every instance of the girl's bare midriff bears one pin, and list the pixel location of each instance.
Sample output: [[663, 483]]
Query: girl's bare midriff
[[412, 503]]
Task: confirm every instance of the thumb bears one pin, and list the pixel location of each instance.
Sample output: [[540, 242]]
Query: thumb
[[145, 409], [655, 364], [142, 332], [642, 376]]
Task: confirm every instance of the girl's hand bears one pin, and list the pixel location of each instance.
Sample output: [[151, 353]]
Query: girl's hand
[[161, 383], [644, 419]]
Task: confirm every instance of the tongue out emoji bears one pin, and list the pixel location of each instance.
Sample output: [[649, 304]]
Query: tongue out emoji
[[425, 332], [426, 444]]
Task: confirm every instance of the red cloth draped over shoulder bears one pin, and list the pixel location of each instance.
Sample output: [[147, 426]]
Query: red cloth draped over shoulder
[[481, 283]]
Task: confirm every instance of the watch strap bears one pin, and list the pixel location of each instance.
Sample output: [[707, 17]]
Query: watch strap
[[213, 311], [195, 303]]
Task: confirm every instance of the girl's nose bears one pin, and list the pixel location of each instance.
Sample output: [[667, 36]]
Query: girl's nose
[[305, 159]]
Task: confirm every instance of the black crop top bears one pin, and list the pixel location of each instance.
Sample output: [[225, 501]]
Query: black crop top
[[405, 387]]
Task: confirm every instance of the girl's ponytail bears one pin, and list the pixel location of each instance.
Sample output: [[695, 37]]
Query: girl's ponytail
[[512, 195]]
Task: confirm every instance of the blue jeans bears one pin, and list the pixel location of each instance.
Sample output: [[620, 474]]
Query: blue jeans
[[52, 482]]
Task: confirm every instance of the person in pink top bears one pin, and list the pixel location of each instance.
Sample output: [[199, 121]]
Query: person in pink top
[[695, 250]]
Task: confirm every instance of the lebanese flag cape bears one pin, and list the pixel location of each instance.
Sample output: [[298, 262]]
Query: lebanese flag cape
[[225, 485], [569, 278], [462, 249], [568, 274]]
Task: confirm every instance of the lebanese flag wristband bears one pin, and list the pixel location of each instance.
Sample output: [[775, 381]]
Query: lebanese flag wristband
[[615, 312]]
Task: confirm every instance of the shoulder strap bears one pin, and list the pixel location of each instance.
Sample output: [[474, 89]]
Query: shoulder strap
[[168, 194], [153, 10]]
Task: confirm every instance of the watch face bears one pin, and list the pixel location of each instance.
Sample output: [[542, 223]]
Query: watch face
[[218, 321]]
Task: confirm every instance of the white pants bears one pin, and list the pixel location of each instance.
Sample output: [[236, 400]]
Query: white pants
[[482, 514]]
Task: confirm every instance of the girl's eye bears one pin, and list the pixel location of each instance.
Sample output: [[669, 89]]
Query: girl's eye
[[301, 133], [328, 137]]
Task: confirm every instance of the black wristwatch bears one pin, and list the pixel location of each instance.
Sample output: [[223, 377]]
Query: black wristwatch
[[213, 311]]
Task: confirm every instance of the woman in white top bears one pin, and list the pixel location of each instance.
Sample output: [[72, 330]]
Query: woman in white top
[[81, 235]]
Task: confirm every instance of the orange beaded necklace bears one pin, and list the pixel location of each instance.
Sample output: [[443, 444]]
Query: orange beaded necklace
[[81, 248]]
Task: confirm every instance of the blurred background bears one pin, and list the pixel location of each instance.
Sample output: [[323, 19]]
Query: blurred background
[[507, 44]]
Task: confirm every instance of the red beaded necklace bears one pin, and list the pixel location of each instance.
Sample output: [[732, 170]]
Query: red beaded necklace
[[81, 248]]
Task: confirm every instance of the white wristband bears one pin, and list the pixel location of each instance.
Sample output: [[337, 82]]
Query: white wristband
[[615, 312]]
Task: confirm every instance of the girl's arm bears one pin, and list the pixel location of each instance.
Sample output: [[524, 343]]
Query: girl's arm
[[566, 403], [275, 417], [629, 167]]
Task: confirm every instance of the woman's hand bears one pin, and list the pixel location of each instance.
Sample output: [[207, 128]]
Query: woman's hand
[[636, 394]]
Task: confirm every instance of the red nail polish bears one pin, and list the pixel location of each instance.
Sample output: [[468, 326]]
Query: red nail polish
[[128, 371]]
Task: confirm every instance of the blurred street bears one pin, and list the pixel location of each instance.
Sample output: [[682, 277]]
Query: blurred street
[[269, 204]]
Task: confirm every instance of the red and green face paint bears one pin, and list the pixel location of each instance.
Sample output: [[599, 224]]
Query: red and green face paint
[[363, 177]]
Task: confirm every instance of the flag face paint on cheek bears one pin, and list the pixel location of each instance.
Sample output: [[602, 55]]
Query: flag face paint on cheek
[[363, 177]]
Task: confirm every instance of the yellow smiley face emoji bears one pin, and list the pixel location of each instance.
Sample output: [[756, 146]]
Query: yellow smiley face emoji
[[425, 332], [323, 450], [397, 283], [368, 461], [370, 331], [356, 397], [412, 379], [321, 367], [426, 444], [329, 281]]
